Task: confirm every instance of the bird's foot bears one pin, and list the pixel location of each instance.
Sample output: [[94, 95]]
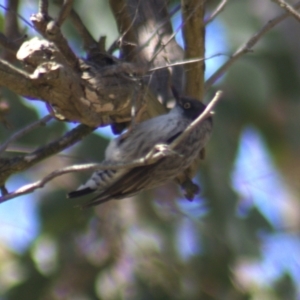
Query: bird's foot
[[165, 150], [190, 189]]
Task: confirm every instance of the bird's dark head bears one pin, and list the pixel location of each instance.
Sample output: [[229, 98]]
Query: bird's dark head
[[190, 107]]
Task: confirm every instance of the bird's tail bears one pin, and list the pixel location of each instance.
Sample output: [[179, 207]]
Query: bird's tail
[[81, 192]]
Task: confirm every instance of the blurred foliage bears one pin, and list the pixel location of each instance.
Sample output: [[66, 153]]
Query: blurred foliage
[[156, 245]]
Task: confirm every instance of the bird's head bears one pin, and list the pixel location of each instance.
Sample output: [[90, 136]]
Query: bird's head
[[190, 107]]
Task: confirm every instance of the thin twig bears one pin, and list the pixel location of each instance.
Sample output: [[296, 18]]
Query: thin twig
[[24, 131], [172, 36], [152, 157], [50, 29], [187, 61], [43, 7], [53, 33], [9, 166], [290, 10], [64, 12], [217, 11], [88, 41], [19, 16], [125, 26], [162, 24], [247, 47], [28, 188]]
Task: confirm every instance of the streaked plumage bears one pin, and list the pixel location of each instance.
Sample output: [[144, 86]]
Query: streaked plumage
[[117, 184]]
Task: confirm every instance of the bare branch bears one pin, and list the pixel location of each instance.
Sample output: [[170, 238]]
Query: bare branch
[[153, 156], [29, 188], [155, 32], [43, 7], [153, 18], [290, 10], [172, 36], [188, 61], [64, 12], [247, 47], [24, 131], [194, 36], [16, 80], [88, 40], [51, 31], [125, 22], [18, 15], [218, 10], [9, 166]]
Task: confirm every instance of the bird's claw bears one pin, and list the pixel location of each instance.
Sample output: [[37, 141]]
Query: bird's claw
[[166, 150], [161, 148]]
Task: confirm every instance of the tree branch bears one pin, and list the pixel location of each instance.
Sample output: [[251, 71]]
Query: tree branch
[[43, 7], [24, 131], [290, 10], [88, 41], [247, 47], [11, 27], [155, 32], [9, 166], [217, 11], [125, 22], [64, 11], [194, 37], [50, 29], [188, 61], [17, 80], [18, 15], [193, 33]]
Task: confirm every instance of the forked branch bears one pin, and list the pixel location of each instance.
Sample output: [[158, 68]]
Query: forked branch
[[247, 47]]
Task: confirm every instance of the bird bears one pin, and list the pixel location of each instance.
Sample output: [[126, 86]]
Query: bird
[[137, 142]]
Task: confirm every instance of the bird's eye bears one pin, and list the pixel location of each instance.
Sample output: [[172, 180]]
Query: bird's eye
[[187, 105]]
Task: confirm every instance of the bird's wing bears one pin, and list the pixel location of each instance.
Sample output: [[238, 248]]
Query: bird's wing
[[131, 182], [142, 138], [137, 178]]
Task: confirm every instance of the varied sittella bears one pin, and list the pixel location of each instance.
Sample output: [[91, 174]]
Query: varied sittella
[[136, 143]]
